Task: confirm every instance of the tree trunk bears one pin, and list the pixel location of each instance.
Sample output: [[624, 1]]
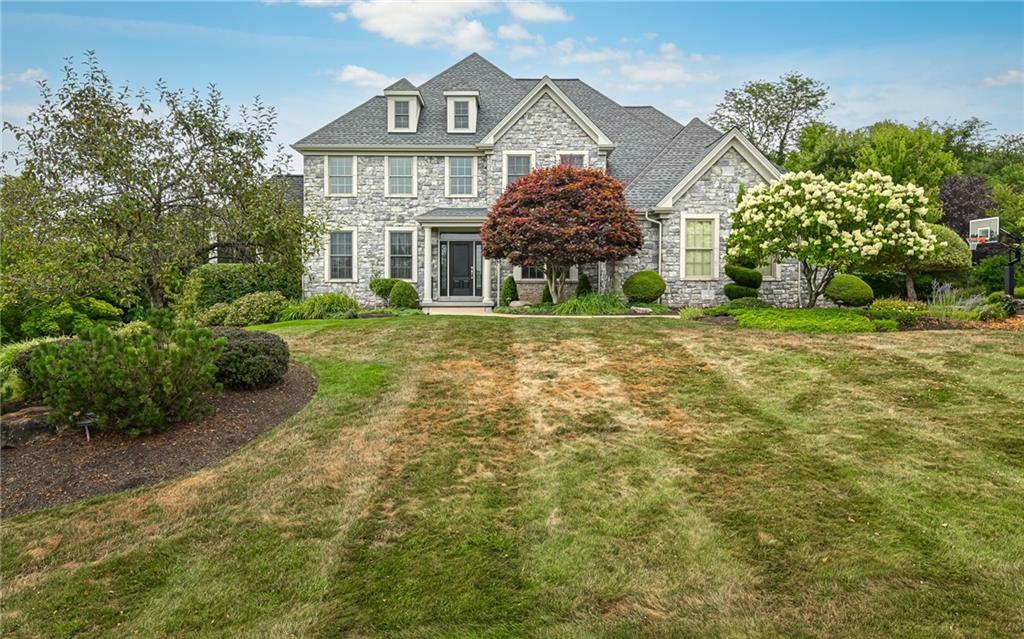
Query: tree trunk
[[911, 291], [554, 277], [154, 292]]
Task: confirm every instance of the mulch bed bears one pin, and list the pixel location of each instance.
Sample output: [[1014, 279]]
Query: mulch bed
[[45, 469]]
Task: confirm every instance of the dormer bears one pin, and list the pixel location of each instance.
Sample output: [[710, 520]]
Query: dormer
[[404, 104], [461, 110]]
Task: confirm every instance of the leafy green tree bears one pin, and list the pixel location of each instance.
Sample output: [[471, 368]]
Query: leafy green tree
[[952, 255], [909, 156], [121, 194], [827, 150], [772, 114]]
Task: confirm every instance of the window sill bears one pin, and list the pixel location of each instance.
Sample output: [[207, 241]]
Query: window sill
[[457, 196], [339, 195], [401, 196], [349, 281]]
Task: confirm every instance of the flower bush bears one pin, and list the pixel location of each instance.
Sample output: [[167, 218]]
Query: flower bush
[[830, 227]]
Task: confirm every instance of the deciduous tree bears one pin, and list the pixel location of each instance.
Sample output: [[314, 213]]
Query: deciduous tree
[[558, 217]]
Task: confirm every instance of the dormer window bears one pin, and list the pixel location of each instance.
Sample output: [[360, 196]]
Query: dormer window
[[462, 108], [404, 104]]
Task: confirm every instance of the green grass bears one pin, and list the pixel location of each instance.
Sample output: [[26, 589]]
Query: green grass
[[488, 477], [806, 320]]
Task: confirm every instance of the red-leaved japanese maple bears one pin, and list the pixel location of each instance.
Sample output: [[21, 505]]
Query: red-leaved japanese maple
[[558, 217]]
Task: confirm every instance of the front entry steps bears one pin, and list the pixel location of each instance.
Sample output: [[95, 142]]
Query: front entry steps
[[457, 307]]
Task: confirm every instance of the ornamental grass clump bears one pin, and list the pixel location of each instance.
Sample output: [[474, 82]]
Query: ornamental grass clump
[[135, 383], [326, 306], [593, 304]]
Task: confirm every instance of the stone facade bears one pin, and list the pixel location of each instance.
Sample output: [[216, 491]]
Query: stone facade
[[545, 130]]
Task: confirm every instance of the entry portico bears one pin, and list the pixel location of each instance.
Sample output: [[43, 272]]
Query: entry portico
[[462, 275]]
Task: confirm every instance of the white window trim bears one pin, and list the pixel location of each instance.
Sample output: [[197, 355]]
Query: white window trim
[[560, 152], [414, 112], [504, 164], [447, 177], [714, 246], [355, 255], [387, 177], [327, 175], [450, 109], [775, 272], [517, 274], [388, 230]]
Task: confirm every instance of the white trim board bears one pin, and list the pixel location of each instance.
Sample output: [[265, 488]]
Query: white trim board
[[732, 140], [547, 87], [715, 249]]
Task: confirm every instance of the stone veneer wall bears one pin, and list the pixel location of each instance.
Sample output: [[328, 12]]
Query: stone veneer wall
[[545, 130]]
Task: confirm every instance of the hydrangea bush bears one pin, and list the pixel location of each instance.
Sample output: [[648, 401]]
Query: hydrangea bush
[[866, 222]]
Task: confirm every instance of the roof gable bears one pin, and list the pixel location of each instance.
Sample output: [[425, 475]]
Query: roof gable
[[547, 87]]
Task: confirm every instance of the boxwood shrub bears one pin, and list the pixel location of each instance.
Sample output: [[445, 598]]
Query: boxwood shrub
[[748, 277], [509, 291], [737, 291], [250, 359], [849, 290], [403, 295], [644, 287]]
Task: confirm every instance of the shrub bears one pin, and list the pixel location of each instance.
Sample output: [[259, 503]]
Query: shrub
[[1019, 292], [216, 315], [749, 277], [255, 308], [138, 383], [896, 309], [644, 286], [990, 272], [211, 284], [691, 312], [381, 286], [16, 380], [805, 320], [1004, 302], [583, 286], [886, 325], [403, 295], [593, 304], [735, 291], [326, 306], [849, 290], [136, 327], [995, 297], [545, 297], [992, 312], [509, 291], [250, 359], [68, 316]]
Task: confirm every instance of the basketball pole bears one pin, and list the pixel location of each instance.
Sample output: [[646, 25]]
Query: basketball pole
[[1010, 275]]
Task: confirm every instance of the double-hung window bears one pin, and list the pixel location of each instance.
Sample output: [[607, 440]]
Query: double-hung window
[[577, 160], [769, 269], [341, 175], [461, 115], [400, 254], [517, 165], [401, 176], [460, 176], [532, 273], [699, 240], [341, 256], [401, 114]]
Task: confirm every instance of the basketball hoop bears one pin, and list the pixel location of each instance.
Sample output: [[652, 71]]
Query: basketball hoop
[[982, 231], [976, 241]]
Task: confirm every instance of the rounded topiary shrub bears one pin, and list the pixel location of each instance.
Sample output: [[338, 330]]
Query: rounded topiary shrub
[[643, 287], [737, 291], [381, 286], [849, 290], [583, 286], [255, 308], [250, 359], [403, 295], [749, 277], [509, 291]]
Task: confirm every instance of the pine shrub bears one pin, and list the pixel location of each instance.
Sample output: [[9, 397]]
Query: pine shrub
[[583, 286], [509, 291], [643, 287]]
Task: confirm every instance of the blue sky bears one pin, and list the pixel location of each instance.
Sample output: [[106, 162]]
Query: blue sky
[[315, 60]]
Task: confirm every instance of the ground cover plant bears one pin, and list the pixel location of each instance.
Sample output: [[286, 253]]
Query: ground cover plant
[[505, 478]]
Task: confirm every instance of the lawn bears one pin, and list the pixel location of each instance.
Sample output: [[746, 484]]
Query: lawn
[[500, 477]]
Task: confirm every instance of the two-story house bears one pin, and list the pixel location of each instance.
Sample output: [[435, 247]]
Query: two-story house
[[405, 181]]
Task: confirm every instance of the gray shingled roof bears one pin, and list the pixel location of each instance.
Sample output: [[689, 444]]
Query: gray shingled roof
[[650, 147], [401, 85]]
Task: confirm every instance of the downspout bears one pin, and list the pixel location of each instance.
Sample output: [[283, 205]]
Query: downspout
[[647, 216]]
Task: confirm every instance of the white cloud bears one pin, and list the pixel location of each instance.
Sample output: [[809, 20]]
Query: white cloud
[[339, 16], [420, 22], [27, 76], [16, 112], [363, 77], [518, 33], [570, 54], [1011, 77], [537, 11], [521, 51]]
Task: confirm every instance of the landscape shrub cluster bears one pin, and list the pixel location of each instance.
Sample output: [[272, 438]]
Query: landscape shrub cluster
[[250, 359], [212, 284], [326, 306]]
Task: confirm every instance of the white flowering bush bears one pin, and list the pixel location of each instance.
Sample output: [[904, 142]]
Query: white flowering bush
[[866, 222]]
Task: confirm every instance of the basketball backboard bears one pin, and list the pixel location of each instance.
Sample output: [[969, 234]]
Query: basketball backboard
[[983, 230]]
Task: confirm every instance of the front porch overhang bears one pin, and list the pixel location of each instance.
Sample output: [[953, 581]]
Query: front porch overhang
[[448, 217]]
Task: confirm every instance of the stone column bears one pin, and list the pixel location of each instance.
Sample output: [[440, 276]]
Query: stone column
[[487, 281], [428, 266]]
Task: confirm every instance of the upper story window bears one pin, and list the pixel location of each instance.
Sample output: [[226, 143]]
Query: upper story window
[[461, 177], [401, 114], [517, 164], [400, 176], [577, 159], [341, 175], [462, 107]]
